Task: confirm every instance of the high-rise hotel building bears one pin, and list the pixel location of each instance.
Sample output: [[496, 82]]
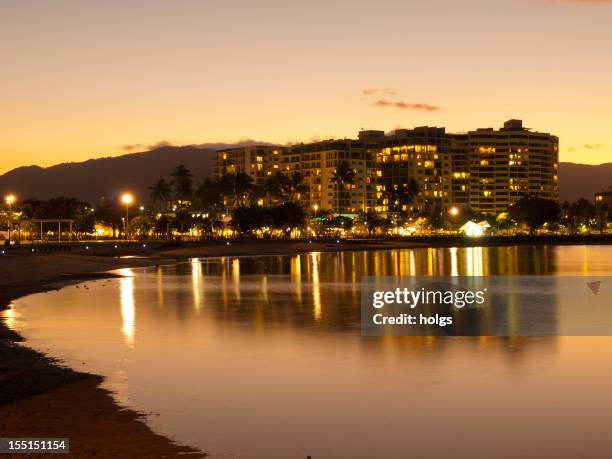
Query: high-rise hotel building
[[257, 161], [507, 164], [318, 162], [485, 170], [421, 155]]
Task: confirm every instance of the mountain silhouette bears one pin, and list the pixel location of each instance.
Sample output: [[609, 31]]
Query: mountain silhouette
[[135, 172], [107, 177], [583, 180]]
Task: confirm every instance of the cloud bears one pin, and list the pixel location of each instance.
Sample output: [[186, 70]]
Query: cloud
[[143, 146], [160, 144], [379, 91], [593, 146], [406, 105], [132, 146], [138, 147], [380, 101], [238, 143]]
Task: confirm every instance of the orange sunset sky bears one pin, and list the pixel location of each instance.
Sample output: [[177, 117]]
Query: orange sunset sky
[[83, 79]]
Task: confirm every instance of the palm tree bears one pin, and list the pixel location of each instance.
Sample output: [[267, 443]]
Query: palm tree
[[280, 186], [342, 176], [243, 188], [296, 185], [401, 195], [287, 216], [209, 196], [236, 188], [411, 190], [161, 192], [372, 221], [275, 186], [183, 183]]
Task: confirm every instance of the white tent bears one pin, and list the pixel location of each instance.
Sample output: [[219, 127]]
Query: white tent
[[475, 229]]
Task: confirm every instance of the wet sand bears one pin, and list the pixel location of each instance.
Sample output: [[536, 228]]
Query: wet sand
[[88, 415]]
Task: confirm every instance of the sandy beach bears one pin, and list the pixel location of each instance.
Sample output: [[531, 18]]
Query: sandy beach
[[40, 398]]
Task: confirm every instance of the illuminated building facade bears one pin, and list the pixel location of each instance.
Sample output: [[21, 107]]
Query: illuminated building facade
[[257, 161], [485, 170], [460, 178], [318, 162], [422, 156], [508, 164]]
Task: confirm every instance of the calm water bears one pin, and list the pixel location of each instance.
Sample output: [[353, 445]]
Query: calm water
[[262, 357]]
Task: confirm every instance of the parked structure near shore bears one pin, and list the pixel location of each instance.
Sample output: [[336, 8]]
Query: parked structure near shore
[[486, 169]]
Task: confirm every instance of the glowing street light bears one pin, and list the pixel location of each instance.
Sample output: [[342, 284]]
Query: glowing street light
[[10, 199], [315, 207], [453, 212], [127, 199]]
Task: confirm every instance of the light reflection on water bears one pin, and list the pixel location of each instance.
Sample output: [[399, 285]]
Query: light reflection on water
[[9, 316], [128, 307], [262, 357]]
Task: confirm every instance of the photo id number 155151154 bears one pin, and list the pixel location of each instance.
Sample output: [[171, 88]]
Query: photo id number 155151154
[[34, 445]]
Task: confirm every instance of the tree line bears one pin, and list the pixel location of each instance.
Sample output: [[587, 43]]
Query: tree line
[[274, 206]]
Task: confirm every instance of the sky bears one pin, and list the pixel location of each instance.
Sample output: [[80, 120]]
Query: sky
[[83, 79]]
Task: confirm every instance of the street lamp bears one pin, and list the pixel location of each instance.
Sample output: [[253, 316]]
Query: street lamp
[[127, 199], [315, 207], [10, 199], [454, 211]]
